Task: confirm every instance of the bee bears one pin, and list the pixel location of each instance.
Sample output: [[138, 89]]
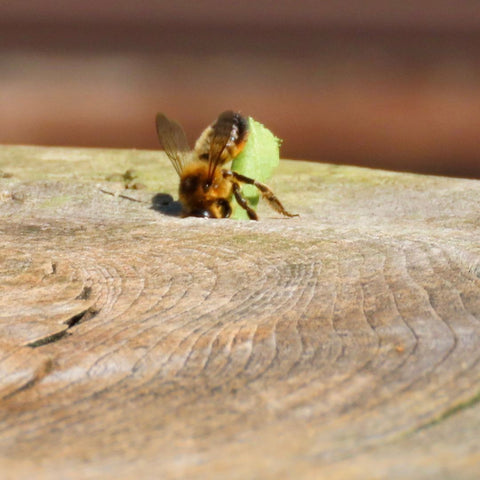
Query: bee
[[206, 188]]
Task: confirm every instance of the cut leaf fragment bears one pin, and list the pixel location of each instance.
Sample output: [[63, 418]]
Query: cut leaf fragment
[[258, 160]]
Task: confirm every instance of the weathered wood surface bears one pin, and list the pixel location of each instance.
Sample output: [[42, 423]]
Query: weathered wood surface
[[343, 344]]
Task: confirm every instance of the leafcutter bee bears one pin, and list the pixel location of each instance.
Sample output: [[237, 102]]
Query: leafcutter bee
[[206, 188]]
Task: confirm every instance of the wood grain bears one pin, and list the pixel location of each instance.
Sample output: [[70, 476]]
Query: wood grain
[[134, 344]]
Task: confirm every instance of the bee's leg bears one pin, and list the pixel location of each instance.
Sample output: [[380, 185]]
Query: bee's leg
[[252, 215], [265, 190]]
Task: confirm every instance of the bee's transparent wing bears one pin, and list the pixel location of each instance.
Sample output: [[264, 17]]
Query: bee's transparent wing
[[222, 133], [173, 140]]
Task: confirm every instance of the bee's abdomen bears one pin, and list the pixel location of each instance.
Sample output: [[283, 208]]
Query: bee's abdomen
[[237, 126], [230, 128], [235, 123]]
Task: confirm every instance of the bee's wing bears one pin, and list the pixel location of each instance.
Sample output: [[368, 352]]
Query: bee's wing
[[222, 134], [173, 140]]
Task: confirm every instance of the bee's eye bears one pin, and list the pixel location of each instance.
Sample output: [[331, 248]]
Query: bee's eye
[[224, 207]]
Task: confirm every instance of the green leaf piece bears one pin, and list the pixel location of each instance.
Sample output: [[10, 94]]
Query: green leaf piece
[[258, 160]]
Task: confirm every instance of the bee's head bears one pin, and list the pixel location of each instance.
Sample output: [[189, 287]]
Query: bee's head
[[202, 196]]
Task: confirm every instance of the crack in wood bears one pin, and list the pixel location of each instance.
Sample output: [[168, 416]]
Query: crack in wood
[[54, 337], [81, 317], [84, 294]]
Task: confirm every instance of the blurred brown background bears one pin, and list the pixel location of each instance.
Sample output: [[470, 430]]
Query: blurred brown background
[[392, 84]]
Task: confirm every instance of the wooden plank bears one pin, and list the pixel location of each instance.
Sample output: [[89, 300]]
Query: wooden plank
[[135, 344]]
